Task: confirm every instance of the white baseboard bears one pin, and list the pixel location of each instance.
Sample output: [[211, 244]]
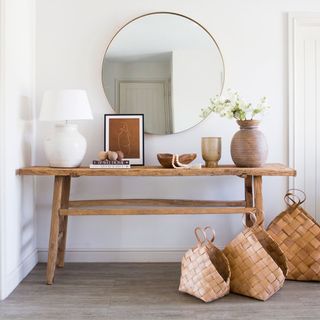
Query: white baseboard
[[118, 255], [16, 276]]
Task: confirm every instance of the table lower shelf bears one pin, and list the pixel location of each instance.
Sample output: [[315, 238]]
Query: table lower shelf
[[153, 207]]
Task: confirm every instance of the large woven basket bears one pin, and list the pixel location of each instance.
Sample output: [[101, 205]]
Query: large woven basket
[[258, 266], [298, 235], [205, 271]]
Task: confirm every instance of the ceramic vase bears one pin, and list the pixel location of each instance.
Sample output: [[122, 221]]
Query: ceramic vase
[[66, 147], [249, 146]]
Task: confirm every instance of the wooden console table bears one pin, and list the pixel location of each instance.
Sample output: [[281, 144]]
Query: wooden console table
[[62, 207]]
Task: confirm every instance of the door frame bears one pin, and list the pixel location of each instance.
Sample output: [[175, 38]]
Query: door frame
[[295, 21], [2, 146], [167, 87]]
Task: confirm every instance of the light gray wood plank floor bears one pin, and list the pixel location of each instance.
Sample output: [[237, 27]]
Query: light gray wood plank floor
[[143, 291]]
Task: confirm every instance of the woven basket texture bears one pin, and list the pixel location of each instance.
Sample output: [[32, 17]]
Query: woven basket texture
[[258, 266], [298, 235], [205, 272]]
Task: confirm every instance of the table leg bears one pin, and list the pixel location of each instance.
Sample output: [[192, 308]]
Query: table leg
[[54, 229], [248, 196], [63, 222], [258, 199]]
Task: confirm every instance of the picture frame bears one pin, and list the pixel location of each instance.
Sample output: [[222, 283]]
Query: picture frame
[[125, 132]]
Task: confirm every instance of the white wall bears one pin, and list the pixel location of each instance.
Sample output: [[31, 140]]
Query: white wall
[[71, 39], [18, 244], [196, 77]]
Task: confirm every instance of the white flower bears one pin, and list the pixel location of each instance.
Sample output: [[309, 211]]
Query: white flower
[[233, 106]]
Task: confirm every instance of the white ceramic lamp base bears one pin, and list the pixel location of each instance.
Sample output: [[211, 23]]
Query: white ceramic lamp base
[[66, 148]]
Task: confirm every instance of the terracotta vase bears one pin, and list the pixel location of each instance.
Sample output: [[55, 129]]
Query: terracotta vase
[[249, 146]]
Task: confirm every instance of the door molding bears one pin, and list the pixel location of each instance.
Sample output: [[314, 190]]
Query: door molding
[[2, 142], [118, 81], [167, 99], [296, 21]]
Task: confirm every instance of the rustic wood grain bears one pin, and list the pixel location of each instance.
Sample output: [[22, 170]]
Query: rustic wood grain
[[60, 210], [258, 199], [222, 170], [63, 222], [153, 211], [156, 202], [248, 191], [54, 229]]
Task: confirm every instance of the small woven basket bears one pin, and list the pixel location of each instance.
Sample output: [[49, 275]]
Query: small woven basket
[[258, 266], [205, 271], [298, 235]]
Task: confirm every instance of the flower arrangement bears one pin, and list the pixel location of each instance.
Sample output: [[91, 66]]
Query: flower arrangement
[[233, 106]]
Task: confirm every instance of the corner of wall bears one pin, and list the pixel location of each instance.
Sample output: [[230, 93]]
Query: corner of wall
[[12, 280], [16, 261]]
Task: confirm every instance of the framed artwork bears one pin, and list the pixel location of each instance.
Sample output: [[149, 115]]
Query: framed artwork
[[124, 132]]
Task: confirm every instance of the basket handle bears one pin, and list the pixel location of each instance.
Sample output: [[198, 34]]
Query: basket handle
[[202, 235], [252, 217], [292, 199], [213, 233]]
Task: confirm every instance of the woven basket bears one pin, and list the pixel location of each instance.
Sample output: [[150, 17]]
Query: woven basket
[[258, 266], [298, 235], [205, 271]]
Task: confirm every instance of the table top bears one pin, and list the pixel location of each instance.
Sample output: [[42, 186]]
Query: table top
[[273, 169]]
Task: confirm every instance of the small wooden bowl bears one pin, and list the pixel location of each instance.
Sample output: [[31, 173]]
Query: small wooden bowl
[[165, 159]]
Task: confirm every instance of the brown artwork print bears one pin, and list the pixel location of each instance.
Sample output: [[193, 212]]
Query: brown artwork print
[[124, 136]]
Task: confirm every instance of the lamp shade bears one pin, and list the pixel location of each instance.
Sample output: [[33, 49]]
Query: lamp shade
[[65, 105]]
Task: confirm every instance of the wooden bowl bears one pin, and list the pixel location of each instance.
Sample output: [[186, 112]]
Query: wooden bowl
[[165, 159]]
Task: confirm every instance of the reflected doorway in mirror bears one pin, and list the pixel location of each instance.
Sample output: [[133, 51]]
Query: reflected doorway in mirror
[[149, 97]]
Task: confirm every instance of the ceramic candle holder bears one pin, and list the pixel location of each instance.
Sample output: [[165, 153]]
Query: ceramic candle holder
[[211, 151]]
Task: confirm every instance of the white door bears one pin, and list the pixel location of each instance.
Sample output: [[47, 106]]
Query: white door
[[149, 98], [305, 109]]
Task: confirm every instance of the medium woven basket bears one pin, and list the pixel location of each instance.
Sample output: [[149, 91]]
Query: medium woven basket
[[205, 271], [298, 235], [258, 266]]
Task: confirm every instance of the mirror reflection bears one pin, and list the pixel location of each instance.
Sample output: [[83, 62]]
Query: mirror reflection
[[165, 66]]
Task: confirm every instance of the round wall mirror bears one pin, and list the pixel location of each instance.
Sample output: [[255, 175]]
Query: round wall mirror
[[165, 66]]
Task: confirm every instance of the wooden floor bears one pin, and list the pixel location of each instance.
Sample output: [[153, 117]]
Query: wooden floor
[[144, 291]]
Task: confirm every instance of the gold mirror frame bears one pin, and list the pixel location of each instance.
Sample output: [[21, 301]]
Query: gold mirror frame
[[180, 15]]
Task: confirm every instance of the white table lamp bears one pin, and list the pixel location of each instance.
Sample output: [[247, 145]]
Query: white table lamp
[[67, 147]]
